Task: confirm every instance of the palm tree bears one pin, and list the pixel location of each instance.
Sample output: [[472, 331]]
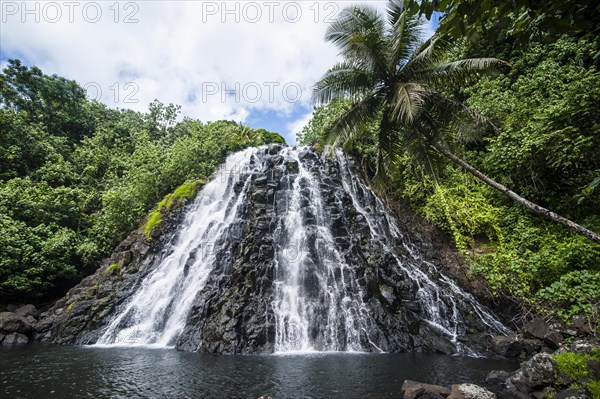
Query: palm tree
[[395, 79]]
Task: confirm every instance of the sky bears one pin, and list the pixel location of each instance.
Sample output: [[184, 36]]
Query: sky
[[254, 62]]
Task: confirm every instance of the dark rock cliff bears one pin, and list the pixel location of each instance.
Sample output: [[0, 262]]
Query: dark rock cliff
[[387, 289]]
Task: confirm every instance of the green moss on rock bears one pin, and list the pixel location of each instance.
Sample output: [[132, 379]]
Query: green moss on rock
[[594, 388], [186, 190], [154, 220], [576, 366], [109, 269], [183, 193], [572, 364]]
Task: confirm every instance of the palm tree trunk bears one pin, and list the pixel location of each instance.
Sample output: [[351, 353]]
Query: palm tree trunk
[[548, 214]]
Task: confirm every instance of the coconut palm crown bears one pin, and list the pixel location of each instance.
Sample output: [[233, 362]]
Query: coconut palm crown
[[394, 77]]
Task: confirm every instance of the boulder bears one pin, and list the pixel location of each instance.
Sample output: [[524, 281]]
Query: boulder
[[11, 307], [11, 322], [564, 379], [554, 339], [582, 346], [594, 368], [536, 373], [545, 393], [27, 310], [507, 346], [540, 329], [418, 390], [531, 346], [470, 391], [497, 377], [537, 328], [15, 339], [581, 326]]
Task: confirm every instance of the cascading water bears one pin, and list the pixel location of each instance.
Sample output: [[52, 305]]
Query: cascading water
[[157, 312], [288, 251], [441, 315], [332, 299]]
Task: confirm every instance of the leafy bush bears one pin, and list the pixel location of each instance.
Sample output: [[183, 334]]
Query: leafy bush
[[577, 292], [462, 208]]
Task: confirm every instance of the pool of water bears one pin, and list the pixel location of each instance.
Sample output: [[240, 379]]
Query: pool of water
[[52, 371]]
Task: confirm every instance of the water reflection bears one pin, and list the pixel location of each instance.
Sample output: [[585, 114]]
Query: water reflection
[[39, 371]]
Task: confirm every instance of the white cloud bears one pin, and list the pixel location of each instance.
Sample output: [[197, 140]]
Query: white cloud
[[179, 51], [295, 127]]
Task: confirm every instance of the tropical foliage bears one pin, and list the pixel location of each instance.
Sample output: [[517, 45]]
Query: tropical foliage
[[76, 177], [521, 20]]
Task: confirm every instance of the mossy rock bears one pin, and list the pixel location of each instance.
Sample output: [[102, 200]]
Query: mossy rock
[[111, 268], [181, 195], [577, 368]]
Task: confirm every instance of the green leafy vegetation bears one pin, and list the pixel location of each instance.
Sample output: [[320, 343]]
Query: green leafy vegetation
[[76, 177], [573, 364], [539, 137], [574, 293], [523, 20]]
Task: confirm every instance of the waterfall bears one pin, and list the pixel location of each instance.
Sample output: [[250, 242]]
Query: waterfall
[[287, 251], [332, 298], [157, 312]]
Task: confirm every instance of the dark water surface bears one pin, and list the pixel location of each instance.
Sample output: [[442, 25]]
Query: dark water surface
[[51, 371]]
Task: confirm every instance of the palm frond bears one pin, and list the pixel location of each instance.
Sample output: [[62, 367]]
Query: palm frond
[[403, 36], [399, 143], [353, 122], [465, 123], [353, 20], [410, 143], [359, 33], [428, 55], [459, 72], [344, 80], [407, 102], [447, 121]]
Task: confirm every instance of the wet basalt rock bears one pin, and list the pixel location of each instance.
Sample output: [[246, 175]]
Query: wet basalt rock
[[233, 311]]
